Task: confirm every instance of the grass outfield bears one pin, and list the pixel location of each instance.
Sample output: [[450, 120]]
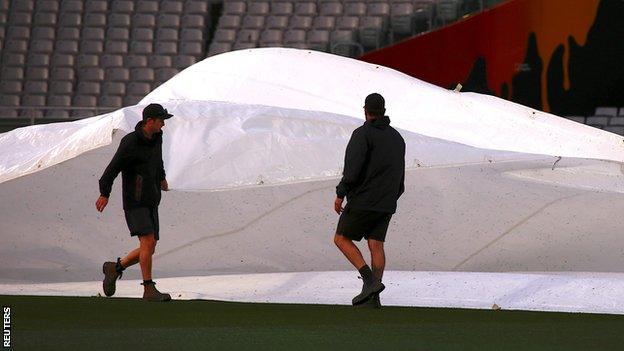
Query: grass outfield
[[81, 323]]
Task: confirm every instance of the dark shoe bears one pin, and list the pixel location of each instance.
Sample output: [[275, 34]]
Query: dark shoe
[[372, 302], [110, 277], [368, 290], [152, 294]]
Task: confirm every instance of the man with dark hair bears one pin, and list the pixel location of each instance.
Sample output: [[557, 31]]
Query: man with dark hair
[[372, 181], [139, 159]]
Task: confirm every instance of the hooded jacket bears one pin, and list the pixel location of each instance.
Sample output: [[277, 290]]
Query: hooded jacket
[[374, 168], [139, 160]]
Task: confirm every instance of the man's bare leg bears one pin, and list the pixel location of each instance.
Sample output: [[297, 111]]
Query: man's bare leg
[[378, 257], [350, 250], [131, 258], [146, 250]]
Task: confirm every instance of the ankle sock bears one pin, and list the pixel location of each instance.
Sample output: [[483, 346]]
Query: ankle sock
[[118, 267], [147, 282], [366, 273]]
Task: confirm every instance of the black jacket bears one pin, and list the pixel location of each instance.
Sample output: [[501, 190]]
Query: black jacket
[[374, 169], [140, 162]]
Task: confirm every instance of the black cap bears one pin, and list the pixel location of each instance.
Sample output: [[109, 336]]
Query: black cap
[[375, 104], [155, 111]]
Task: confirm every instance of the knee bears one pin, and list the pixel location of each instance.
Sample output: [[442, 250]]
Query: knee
[[376, 246]]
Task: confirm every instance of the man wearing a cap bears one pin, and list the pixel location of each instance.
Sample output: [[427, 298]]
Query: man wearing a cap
[[372, 182], [139, 159]]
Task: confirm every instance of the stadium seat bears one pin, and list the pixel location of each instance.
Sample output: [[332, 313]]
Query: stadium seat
[[135, 61], [243, 46], [248, 36], [183, 61], [347, 23], [62, 60], [109, 60], [117, 74], [159, 61], [88, 33], [448, 10], [37, 73], [196, 7], [402, 21], [318, 39], [225, 35], [258, 8], [141, 47], [193, 21], [146, 6], [92, 6], [277, 22], [20, 18], [191, 48], [191, 34], [219, 48], [294, 36], [234, 7], [62, 73], [14, 60], [122, 6], [171, 6], [119, 33], [113, 88], [18, 32], [167, 34], [46, 33], [116, 47], [95, 47], [301, 22], [324, 22], [606, 111], [59, 100], [253, 22], [119, 20], [87, 61], [371, 32], [143, 74], [142, 34], [23, 5], [168, 20], [33, 100], [37, 60], [144, 20], [88, 88], [57, 87], [71, 34], [166, 48], [70, 20], [9, 100], [130, 100], [333, 8], [10, 86], [110, 101], [282, 8], [357, 9], [44, 19], [305, 8], [42, 46], [270, 37], [99, 19], [16, 46], [35, 87], [230, 22], [68, 6], [47, 6], [141, 89], [94, 74]]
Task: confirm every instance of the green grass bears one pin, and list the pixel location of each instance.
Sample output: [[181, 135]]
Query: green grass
[[68, 323]]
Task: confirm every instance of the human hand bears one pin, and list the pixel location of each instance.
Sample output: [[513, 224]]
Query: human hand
[[338, 205], [164, 186], [101, 202]]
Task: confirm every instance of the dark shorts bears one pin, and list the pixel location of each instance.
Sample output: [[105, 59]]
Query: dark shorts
[[142, 221], [357, 224]]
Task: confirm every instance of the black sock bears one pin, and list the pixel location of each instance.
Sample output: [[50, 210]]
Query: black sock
[[366, 273], [118, 267], [147, 282]]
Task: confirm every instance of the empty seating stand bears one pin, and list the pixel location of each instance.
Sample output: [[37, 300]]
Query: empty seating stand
[[72, 58]]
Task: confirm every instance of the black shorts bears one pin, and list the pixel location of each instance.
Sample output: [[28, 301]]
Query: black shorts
[[142, 221], [357, 224]]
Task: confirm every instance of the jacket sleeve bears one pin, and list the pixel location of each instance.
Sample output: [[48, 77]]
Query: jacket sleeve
[[163, 175], [355, 158], [116, 165]]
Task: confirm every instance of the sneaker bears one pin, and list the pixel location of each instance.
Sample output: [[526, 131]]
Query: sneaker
[[368, 289], [152, 294], [110, 277]]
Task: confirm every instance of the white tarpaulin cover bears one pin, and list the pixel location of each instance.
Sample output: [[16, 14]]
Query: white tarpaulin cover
[[491, 186]]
